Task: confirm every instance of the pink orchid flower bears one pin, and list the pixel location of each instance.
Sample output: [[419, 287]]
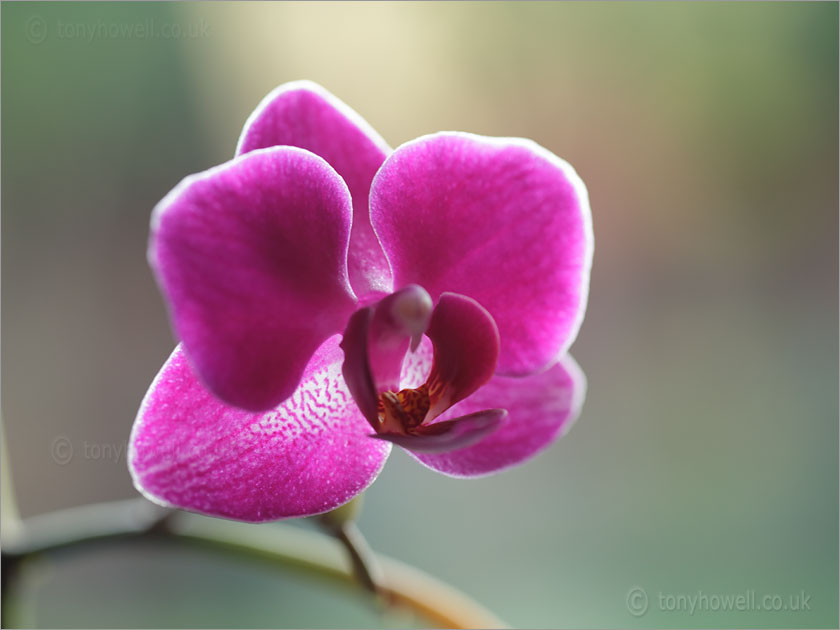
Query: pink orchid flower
[[300, 365]]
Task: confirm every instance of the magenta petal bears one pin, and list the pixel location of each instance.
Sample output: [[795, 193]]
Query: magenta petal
[[307, 456], [541, 407], [466, 349], [252, 258], [458, 433], [501, 220], [303, 114]]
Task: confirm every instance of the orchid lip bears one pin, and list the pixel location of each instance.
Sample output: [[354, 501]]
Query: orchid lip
[[449, 435], [377, 338]]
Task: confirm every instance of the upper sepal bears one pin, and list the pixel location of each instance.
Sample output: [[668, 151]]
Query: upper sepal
[[304, 114]]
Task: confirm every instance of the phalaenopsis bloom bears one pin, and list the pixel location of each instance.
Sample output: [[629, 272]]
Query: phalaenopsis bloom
[[334, 297]]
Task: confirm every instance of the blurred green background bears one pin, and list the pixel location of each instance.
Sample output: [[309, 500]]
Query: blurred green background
[[706, 457]]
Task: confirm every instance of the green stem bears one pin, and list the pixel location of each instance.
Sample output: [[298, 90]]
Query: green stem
[[361, 555], [398, 584]]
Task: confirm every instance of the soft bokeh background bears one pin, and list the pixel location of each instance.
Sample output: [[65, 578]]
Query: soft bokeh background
[[706, 457]]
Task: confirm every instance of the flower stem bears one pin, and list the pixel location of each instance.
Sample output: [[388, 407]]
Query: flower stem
[[361, 556], [397, 583], [341, 524]]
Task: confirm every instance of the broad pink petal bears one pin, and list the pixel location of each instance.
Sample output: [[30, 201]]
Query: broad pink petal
[[303, 114], [307, 456], [466, 349], [251, 256], [541, 408], [501, 220], [458, 433]]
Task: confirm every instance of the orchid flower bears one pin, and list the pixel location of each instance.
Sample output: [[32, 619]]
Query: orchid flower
[[334, 297]]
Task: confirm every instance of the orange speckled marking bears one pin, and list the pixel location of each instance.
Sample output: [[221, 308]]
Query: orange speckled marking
[[406, 408]]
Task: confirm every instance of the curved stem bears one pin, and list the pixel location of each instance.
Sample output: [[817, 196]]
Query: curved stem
[[398, 583], [362, 557]]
